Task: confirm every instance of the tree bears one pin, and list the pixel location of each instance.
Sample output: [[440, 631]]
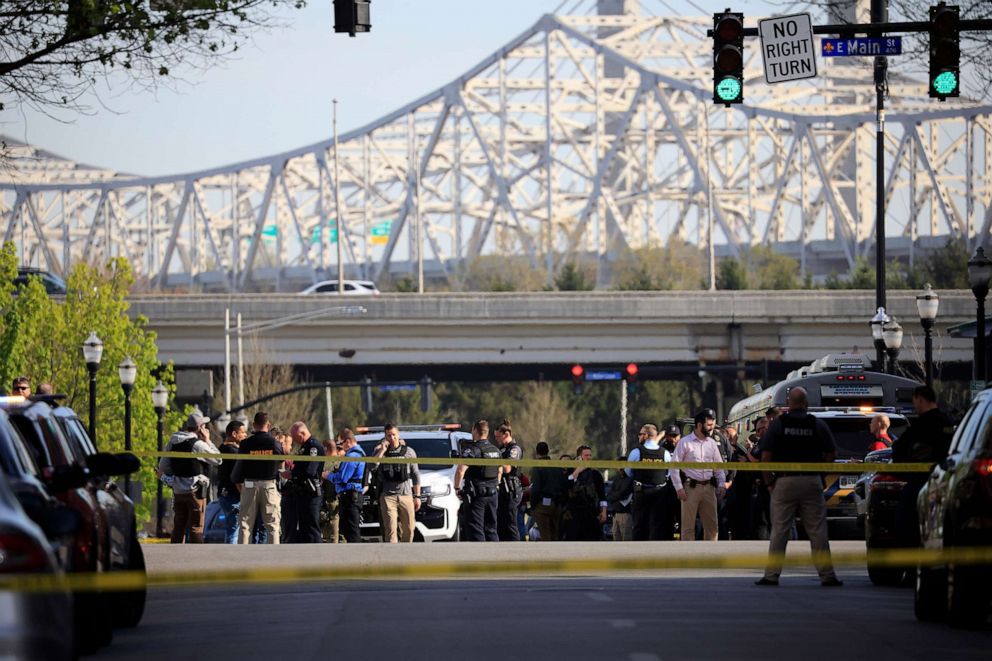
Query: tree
[[772, 270], [731, 275], [54, 51], [42, 339], [676, 266], [503, 273], [946, 267], [573, 277]]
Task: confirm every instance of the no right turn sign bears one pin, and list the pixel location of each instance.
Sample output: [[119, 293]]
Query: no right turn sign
[[787, 48]]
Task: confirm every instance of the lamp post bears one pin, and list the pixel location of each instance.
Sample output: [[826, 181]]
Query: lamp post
[[979, 272], [92, 353], [160, 399], [927, 304], [876, 323], [127, 370], [892, 337]]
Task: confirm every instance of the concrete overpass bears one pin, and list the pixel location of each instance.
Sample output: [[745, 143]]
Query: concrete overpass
[[523, 335]]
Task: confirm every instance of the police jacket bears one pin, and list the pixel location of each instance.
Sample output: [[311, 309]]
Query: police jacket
[[303, 470], [481, 449], [512, 451], [798, 437], [649, 455], [927, 440], [261, 443]]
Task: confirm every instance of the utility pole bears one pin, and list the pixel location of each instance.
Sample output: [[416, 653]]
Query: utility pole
[[337, 202], [879, 15]]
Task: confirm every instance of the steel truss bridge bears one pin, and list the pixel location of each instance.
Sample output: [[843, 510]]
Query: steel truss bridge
[[591, 133]]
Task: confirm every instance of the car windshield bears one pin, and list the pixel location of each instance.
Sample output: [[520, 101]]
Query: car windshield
[[852, 436], [438, 446]]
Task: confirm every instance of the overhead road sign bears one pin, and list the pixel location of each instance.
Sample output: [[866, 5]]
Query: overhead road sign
[[861, 46], [602, 375], [787, 48]]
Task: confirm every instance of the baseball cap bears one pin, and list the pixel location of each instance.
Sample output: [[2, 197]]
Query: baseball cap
[[673, 430], [194, 421], [704, 415]]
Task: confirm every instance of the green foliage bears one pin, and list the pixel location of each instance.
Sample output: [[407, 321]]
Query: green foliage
[[772, 270], [42, 339], [862, 276], [502, 273], [676, 266], [573, 277], [947, 267], [731, 275], [406, 285]]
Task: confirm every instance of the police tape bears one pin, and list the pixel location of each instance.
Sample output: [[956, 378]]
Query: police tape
[[775, 467], [133, 580]]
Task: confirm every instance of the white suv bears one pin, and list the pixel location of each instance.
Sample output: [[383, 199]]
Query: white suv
[[437, 518], [351, 288]]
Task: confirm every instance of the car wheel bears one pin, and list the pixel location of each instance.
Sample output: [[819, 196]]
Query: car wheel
[[967, 597], [885, 576], [131, 604], [929, 594]]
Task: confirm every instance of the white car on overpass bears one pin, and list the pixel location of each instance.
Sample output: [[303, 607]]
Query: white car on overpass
[[351, 288]]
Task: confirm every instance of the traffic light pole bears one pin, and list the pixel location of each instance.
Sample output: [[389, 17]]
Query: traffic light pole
[[879, 14]]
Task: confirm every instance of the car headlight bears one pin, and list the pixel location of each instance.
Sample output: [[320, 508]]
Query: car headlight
[[439, 489]]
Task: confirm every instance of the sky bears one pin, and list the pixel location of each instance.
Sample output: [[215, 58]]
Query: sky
[[276, 94]]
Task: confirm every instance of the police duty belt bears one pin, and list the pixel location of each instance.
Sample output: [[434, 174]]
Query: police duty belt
[[771, 467]]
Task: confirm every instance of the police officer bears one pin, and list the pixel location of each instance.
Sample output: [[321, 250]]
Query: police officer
[[798, 437], [510, 490], [348, 480], [477, 486], [649, 506], [301, 511], [257, 480]]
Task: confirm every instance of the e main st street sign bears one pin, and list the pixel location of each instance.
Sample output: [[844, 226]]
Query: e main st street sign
[[787, 49]]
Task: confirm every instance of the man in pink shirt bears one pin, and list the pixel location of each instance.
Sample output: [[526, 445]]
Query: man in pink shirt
[[703, 485]]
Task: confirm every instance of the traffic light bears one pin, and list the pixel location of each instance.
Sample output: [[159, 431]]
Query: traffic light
[[630, 376], [728, 57], [578, 374], [352, 16], [425, 394], [366, 391], [945, 52]]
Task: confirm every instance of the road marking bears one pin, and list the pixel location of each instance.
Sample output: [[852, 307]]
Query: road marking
[[622, 624], [599, 596]]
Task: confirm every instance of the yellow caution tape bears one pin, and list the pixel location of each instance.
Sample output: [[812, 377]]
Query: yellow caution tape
[[805, 467], [132, 580]]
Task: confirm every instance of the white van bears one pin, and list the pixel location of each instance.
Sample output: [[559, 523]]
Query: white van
[[437, 518]]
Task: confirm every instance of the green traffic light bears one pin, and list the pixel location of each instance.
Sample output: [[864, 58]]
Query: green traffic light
[[946, 82], [728, 89]]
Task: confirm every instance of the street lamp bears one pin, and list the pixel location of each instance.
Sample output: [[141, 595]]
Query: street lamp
[[160, 399], [876, 323], [892, 337], [127, 370], [979, 272], [927, 304], [92, 353]]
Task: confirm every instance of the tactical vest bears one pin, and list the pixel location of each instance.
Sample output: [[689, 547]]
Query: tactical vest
[[485, 450], [395, 472], [185, 467], [506, 454], [655, 477], [798, 431]]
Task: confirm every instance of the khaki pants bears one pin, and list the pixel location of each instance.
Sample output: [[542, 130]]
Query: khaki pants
[[623, 527], [702, 499], [329, 521], [802, 494], [260, 499], [548, 518], [393, 510]]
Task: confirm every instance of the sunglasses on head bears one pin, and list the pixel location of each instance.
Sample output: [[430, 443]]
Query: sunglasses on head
[[21, 388]]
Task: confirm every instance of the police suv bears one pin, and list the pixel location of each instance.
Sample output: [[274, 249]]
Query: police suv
[[437, 518]]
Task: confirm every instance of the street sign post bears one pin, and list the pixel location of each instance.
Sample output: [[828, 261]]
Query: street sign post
[[861, 46], [787, 48]]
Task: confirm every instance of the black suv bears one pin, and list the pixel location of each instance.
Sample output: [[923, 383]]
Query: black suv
[[955, 509]]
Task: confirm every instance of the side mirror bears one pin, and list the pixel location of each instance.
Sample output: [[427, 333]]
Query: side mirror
[[63, 478], [60, 521], [101, 463], [127, 463]]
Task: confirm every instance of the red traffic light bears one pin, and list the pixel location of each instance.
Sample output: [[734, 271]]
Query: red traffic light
[[631, 369], [578, 371], [729, 27]]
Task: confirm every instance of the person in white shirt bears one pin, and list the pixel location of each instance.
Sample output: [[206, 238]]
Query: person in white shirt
[[703, 485]]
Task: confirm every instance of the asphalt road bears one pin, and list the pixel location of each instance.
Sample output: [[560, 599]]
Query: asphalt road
[[684, 614]]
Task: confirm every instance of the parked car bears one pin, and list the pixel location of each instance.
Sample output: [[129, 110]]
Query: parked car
[[351, 288], [53, 284], [122, 551], [876, 495], [437, 518], [33, 625], [955, 510]]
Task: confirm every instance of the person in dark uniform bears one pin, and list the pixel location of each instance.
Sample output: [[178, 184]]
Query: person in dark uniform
[[257, 479], [798, 437], [672, 514], [510, 490], [547, 489], [477, 486], [585, 507], [301, 514], [927, 440], [227, 491], [649, 507]]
